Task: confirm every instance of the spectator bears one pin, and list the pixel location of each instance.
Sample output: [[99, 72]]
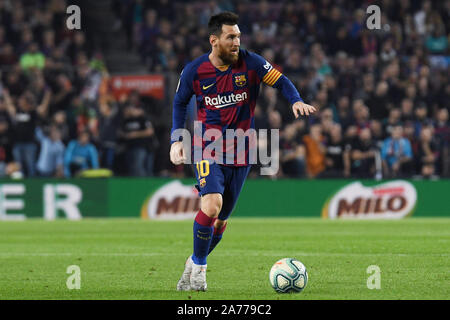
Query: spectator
[[51, 157], [396, 154], [48, 42], [108, 124], [4, 142], [437, 42], [423, 93], [344, 115], [15, 81], [7, 55], [80, 155], [25, 117], [32, 59], [326, 121], [428, 153], [407, 110], [82, 116], [292, 158], [63, 93], [136, 133], [442, 133], [409, 133], [77, 46], [148, 33], [421, 119], [421, 17], [388, 52], [336, 156], [361, 114], [376, 128], [59, 120], [378, 101], [57, 62], [363, 153], [399, 72], [393, 120], [315, 151]]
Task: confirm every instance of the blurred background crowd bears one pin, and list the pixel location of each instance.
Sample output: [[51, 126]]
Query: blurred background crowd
[[383, 95]]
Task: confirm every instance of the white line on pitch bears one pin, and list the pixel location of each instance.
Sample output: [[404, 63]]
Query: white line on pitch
[[150, 254]]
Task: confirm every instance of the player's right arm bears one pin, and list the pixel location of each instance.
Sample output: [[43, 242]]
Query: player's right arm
[[183, 94]]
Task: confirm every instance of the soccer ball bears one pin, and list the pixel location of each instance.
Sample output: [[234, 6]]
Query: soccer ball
[[288, 275]]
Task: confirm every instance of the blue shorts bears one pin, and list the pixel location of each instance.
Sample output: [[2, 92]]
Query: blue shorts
[[217, 178]]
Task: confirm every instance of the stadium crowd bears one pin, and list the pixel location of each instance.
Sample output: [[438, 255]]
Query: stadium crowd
[[55, 118], [383, 95]]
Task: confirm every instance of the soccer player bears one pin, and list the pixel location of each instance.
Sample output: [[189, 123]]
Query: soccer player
[[226, 83]]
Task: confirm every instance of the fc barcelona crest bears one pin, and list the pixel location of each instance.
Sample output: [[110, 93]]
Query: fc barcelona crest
[[202, 182], [240, 80]]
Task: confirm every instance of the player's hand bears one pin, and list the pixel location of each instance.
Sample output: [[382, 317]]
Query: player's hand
[[177, 155], [301, 108]]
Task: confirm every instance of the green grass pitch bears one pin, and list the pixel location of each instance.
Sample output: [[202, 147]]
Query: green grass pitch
[[136, 259]]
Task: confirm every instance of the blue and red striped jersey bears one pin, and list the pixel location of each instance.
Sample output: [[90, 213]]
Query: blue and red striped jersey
[[226, 99]]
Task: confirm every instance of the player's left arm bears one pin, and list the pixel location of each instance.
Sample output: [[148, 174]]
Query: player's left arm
[[274, 78], [287, 88]]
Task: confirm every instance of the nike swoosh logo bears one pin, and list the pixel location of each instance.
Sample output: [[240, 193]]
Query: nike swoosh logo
[[206, 87], [225, 105]]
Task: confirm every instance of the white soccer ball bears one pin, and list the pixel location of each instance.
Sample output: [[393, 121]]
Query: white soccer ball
[[288, 275]]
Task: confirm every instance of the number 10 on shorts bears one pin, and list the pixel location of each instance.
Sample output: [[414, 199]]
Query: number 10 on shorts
[[203, 168]]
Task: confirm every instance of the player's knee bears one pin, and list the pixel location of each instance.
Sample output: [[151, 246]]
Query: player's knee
[[219, 224], [212, 204]]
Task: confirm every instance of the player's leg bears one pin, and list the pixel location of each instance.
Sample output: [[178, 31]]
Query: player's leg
[[210, 185], [194, 275], [219, 229], [210, 207], [234, 181], [203, 234]]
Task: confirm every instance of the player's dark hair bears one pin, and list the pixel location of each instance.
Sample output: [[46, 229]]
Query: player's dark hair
[[217, 21]]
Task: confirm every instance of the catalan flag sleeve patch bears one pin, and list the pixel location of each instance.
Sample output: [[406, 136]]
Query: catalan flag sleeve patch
[[271, 77]]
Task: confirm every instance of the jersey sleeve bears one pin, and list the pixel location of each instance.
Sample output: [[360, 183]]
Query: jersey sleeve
[[265, 71], [183, 95], [274, 78]]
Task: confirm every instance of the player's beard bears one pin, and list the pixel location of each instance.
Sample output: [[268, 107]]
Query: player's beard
[[226, 56]]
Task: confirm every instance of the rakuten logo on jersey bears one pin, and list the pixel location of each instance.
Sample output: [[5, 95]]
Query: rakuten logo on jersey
[[224, 101]]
